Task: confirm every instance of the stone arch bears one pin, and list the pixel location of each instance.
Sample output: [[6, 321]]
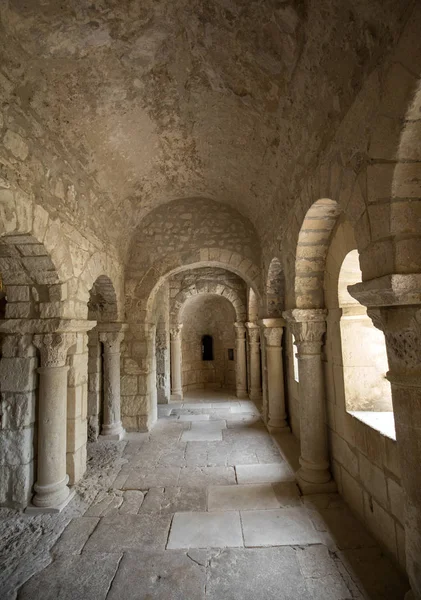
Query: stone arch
[[312, 248], [102, 304], [30, 278], [275, 289], [140, 292], [209, 288]]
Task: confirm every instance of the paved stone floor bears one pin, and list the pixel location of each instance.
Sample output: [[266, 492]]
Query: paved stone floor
[[204, 506]]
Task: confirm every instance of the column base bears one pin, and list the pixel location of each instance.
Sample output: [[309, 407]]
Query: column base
[[307, 489], [242, 395], [277, 425], [255, 395], [176, 396], [112, 431], [31, 509], [112, 437]]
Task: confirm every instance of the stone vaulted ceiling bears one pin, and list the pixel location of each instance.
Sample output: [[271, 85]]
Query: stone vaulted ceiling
[[228, 99]]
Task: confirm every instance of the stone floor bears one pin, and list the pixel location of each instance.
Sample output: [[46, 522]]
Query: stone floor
[[204, 506]]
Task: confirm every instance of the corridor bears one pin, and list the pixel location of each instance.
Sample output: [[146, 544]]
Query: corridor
[[203, 506]]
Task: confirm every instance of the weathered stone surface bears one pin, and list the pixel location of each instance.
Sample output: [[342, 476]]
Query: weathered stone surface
[[75, 536], [159, 576], [242, 497], [174, 499], [205, 530], [278, 527], [263, 473], [74, 578], [120, 533], [248, 574]]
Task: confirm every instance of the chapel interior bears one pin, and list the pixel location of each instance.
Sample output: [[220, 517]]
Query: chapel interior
[[210, 300]]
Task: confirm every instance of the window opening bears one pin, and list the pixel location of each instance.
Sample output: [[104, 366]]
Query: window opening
[[207, 347]]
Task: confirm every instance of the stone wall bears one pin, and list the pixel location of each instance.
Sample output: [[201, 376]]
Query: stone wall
[[214, 316]]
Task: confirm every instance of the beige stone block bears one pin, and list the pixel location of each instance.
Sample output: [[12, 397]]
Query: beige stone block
[[391, 457], [373, 480], [77, 434], [16, 447], [78, 372], [353, 493], [74, 402], [405, 217], [344, 454], [17, 409], [18, 374], [379, 181], [130, 423], [76, 465], [129, 385], [400, 542], [406, 180], [396, 499], [375, 442], [16, 144], [380, 523], [134, 405], [18, 310]]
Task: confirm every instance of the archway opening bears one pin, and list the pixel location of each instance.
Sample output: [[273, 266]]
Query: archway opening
[[208, 335], [368, 395], [102, 308]]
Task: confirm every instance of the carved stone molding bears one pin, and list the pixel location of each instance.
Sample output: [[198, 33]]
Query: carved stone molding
[[273, 336], [307, 325], [240, 330], [175, 331], [111, 341], [53, 348], [401, 326], [253, 333]]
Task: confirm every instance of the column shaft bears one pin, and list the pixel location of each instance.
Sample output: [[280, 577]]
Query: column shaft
[[276, 413], [176, 377], [112, 428], [240, 366], [51, 491], [255, 392], [308, 327]]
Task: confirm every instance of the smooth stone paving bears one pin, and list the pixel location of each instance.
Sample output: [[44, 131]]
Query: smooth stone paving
[[186, 517]]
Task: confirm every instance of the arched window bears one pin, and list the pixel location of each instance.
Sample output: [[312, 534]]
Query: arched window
[[207, 347], [367, 391]]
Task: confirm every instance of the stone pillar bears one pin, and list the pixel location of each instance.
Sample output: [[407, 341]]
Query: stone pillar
[[176, 381], [240, 357], [308, 327], [402, 328], [255, 392], [276, 413], [51, 491], [112, 428]]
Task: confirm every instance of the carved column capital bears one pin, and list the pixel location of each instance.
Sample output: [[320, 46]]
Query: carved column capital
[[240, 330], [54, 347], [273, 330], [308, 327], [175, 331], [253, 333], [111, 341], [401, 326]]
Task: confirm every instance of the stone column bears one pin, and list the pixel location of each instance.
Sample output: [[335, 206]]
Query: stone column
[[276, 413], [240, 357], [51, 490], [308, 327], [112, 428], [255, 392], [176, 380], [402, 328]]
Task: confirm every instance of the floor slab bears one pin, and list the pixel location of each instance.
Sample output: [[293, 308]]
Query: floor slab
[[264, 473], [255, 574], [170, 500], [198, 435], [120, 533], [205, 530], [242, 497], [279, 527], [73, 578], [159, 576], [204, 476]]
